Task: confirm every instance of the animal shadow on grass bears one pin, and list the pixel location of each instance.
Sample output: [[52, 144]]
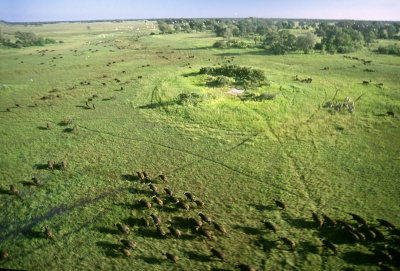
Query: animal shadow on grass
[[334, 234], [260, 207], [307, 247], [169, 209], [181, 223], [34, 234], [68, 130], [41, 166], [359, 258], [186, 236], [25, 183], [111, 250], [151, 260], [128, 177], [106, 99], [107, 230], [265, 244], [42, 128], [299, 223], [62, 123], [249, 230], [4, 191], [131, 221], [150, 232], [83, 107], [196, 256]]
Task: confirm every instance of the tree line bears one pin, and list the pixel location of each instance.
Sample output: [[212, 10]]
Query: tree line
[[25, 39], [274, 34]]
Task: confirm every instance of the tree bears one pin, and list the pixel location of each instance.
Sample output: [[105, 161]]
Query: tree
[[164, 27], [227, 34], [280, 42], [306, 42]]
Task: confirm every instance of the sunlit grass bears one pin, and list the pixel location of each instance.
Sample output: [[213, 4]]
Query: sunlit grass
[[234, 155]]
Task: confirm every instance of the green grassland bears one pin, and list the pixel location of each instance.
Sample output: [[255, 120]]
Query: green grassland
[[234, 155]]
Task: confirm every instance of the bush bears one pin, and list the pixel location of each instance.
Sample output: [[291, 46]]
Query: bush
[[266, 96], [49, 41], [221, 81], [258, 98], [187, 98], [219, 44], [390, 50], [237, 44], [243, 75], [25, 39]]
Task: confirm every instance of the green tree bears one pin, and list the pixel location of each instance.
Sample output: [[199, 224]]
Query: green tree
[[306, 42], [164, 27], [280, 42]]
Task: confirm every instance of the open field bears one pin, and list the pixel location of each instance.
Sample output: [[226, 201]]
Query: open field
[[235, 156]]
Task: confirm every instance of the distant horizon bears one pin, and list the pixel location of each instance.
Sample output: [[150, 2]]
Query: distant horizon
[[165, 18], [36, 11]]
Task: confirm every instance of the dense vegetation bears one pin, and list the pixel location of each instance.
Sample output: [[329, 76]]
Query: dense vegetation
[[25, 39], [245, 76], [275, 35], [393, 49]]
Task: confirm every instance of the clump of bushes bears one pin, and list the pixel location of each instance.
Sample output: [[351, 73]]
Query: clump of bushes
[[26, 39], [242, 75], [187, 98], [258, 97], [220, 81], [393, 49], [220, 44], [230, 43]]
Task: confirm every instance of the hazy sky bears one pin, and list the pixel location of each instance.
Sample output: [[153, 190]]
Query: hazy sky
[[66, 10]]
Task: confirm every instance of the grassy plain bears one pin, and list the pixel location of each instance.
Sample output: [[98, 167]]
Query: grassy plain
[[233, 155]]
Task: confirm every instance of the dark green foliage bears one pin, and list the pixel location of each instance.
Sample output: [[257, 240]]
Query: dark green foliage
[[236, 44], [230, 43], [306, 42], [280, 42], [187, 98], [26, 39], [242, 75], [258, 97], [339, 39], [220, 44], [164, 27], [393, 49], [220, 81]]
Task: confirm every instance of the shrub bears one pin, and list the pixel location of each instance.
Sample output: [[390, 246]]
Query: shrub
[[389, 50], [237, 44], [242, 75], [219, 44], [266, 96], [187, 98], [221, 81]]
